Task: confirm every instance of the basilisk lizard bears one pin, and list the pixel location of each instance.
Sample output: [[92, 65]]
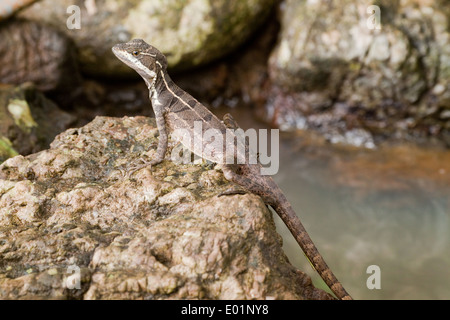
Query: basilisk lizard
[[177, 111]]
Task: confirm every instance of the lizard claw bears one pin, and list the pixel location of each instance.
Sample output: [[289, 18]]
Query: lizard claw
[[143, 164], [136, 168]]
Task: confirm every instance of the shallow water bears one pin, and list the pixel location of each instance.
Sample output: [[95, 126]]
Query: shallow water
[[388, 207], [397, 219]]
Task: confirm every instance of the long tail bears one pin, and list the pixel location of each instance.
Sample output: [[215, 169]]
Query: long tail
[[290, 218], [264, 186]]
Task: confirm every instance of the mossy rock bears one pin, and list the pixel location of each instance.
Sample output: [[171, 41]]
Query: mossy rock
[[190, 32], [28, 121]]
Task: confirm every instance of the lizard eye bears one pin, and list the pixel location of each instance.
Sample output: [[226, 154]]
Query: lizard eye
[[135, 53]]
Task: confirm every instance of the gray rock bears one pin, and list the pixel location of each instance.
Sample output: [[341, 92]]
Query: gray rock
[[70, 219], [190, 32], [327, 55]]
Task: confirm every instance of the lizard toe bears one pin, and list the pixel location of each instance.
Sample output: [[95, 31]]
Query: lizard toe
[[233, 191]]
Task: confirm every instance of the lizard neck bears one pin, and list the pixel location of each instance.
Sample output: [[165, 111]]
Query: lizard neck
[[159, 89]]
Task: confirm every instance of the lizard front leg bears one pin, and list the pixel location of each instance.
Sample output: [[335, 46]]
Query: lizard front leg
[[162, 144], [163, 137]]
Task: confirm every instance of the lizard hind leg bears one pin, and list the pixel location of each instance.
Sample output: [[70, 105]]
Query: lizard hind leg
[[230, 175], [241, 179], [246, 176], [232, 191]]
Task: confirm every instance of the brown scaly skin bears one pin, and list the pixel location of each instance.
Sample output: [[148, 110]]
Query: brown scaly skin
[[176, 109]]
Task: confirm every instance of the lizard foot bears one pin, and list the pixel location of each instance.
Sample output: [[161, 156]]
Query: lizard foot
[[232, 191], [141, 164]]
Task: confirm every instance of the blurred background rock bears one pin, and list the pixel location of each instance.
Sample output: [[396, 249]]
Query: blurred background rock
[[300, 65]]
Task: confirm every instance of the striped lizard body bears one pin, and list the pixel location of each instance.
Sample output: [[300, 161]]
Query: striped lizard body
[[178, 113]]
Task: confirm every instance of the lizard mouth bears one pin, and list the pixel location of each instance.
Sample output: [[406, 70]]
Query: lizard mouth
[[121, 54], [134, 63]]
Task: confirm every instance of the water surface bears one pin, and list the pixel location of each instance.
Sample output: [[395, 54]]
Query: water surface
[[388, 207]]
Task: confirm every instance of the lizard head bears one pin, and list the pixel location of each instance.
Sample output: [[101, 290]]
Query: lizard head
[[142, 57]]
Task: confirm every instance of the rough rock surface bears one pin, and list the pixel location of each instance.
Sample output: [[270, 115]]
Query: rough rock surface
[[30, 51], [70, 219], [332, 73], [190, 32], [28, 121]]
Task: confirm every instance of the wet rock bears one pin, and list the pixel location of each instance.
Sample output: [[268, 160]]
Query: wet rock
[[28, 121], [389, 81], [73, 226], [30, 51], [190, 32]]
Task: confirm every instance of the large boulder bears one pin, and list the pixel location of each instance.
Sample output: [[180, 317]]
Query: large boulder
[[74, 224], [30, 51], [190, 32], [333, 72]]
